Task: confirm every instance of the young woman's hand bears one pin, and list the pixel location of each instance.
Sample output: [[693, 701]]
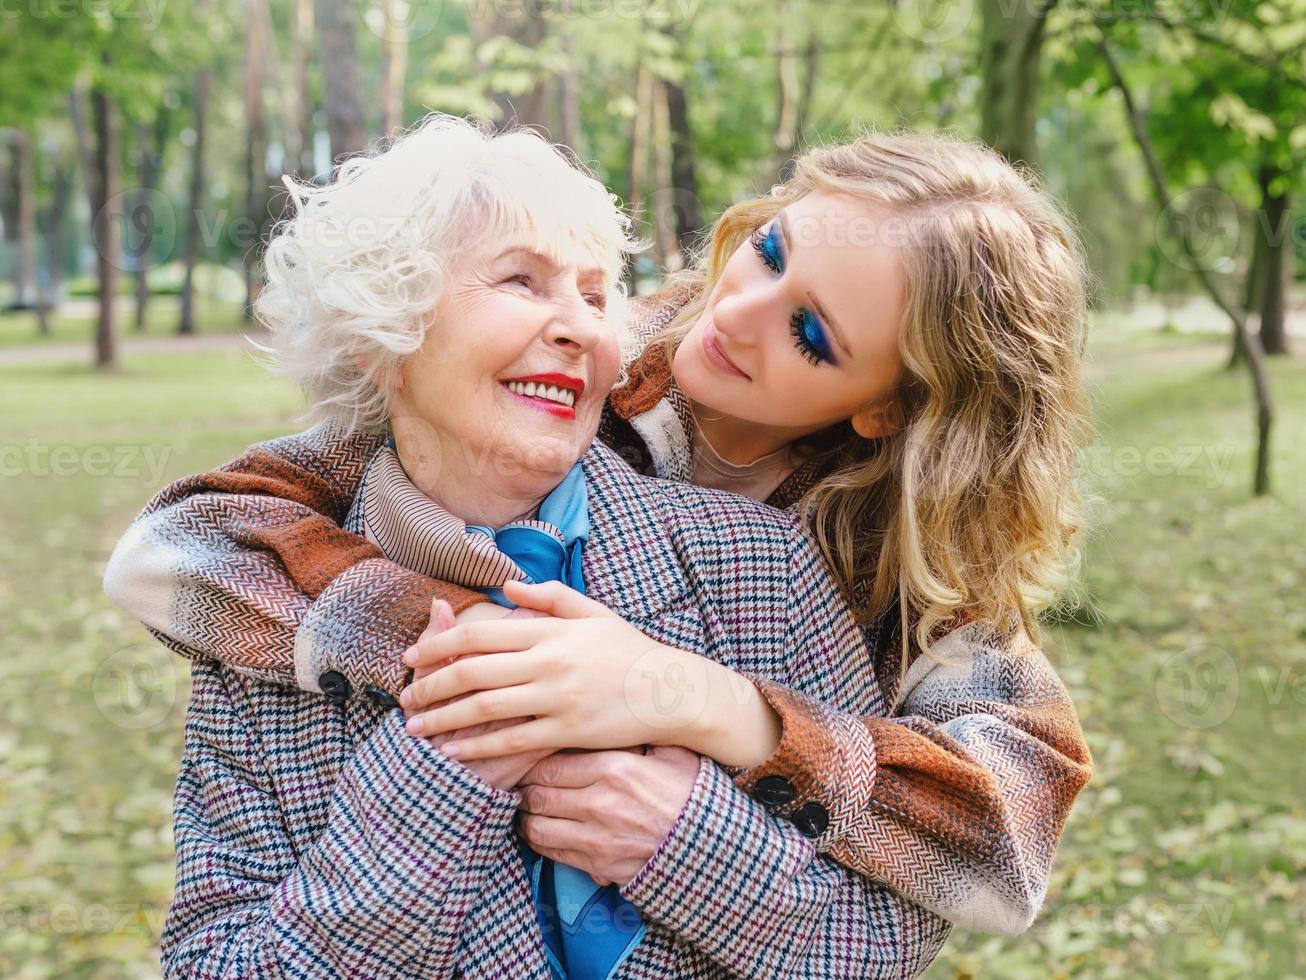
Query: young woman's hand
[[590, 679], [502, 772], [605, 812]]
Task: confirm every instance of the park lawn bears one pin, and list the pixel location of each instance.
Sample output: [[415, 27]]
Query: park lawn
[[18, 329], [1185, 857]]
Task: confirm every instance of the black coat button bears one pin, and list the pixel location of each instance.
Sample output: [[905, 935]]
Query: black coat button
[[773, 791], [381, 698], [335, 685], [811, 819]]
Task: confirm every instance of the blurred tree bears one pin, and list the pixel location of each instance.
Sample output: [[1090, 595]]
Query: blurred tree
[[1183, 228], [257, 57], [684, 177], [1011, 46], [394, 65], [193, 230], [20, 216], [151, 149], [338, 57], [53, 219], [299, 107], [106, 207]]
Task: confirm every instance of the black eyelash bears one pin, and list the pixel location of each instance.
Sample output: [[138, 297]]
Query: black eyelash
[[759, 246], [804, 345]]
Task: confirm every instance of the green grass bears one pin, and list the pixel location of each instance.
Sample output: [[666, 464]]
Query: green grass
[[18, 329], [1185, 857], [90, 708]]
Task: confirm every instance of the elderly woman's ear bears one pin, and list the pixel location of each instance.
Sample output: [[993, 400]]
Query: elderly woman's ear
[[387, 379]]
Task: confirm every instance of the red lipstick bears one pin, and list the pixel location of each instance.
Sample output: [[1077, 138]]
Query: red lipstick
[[557, 410], [555, 379]]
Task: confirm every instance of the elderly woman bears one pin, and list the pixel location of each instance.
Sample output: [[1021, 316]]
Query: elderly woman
[[317, 837]]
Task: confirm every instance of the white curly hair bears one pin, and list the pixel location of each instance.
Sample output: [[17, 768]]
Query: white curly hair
[[355, 271]]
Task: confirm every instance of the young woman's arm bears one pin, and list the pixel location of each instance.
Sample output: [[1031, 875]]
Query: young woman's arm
[[956, 797], [248, 563], [950, 784], [408, 841]]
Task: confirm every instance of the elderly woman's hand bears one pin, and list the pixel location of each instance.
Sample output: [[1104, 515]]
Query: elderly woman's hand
[[588, 678], [605, 812]]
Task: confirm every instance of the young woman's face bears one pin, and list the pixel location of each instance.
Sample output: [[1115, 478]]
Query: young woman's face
[[801, 330]]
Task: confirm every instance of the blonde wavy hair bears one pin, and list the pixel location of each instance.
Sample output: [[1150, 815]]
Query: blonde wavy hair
[[970, 513]]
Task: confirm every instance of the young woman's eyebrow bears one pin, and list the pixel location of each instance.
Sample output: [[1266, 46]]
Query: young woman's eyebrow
[[824, 314]]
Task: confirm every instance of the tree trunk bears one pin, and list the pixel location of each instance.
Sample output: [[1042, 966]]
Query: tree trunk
[[299, 127], [195, 205], [530, 108], [689, 210], [1252, 290], [24, 206], [664, 202], [338, 48], [1011, 45], [394, 54], [811, 64], [1273, 225], [154, 146], [569, 97], [786, 89], [256, 192], [638, 156], [106, 209], [55, 216], [1183, 231]]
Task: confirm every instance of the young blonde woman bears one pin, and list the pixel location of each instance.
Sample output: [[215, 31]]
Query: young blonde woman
[[888, 343]]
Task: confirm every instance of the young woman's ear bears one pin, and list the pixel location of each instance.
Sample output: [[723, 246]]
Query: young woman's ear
[[878, 419]]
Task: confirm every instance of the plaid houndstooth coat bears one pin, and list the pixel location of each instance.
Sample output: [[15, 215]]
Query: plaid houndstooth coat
[[318, 839]]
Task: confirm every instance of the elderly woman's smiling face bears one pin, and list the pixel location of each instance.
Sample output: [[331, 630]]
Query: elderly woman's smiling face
[[507, 389]]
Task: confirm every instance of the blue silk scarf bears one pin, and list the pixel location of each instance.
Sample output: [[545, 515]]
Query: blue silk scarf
[[589, 930]]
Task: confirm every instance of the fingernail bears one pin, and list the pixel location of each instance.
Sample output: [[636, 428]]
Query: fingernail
[[451, 749], [406, 698], [410, 656], [414, 725]]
